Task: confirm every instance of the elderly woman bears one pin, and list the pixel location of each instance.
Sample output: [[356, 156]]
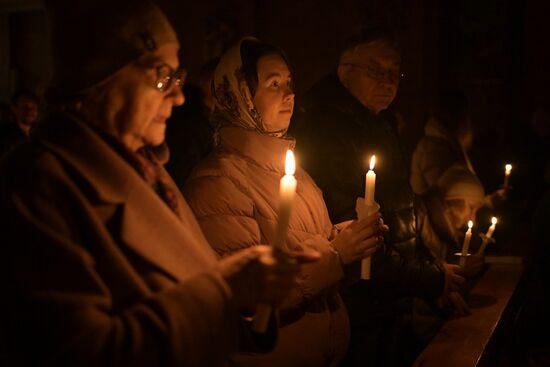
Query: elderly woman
[[236, 189], [103, 263]]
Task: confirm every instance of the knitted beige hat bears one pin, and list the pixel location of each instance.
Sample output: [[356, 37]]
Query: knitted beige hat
[[94, 39], [458, 182]]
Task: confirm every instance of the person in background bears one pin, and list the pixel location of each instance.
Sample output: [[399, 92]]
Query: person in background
[[103, 262], [345, 120], [237, 188], [18, 125], [448, 137]]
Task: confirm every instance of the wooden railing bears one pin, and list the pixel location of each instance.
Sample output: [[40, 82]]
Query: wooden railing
[[470, 340]]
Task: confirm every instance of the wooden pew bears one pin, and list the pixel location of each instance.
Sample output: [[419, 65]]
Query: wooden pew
[[469, 341]]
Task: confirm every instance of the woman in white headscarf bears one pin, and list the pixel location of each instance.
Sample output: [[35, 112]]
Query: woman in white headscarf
[[235, 195]]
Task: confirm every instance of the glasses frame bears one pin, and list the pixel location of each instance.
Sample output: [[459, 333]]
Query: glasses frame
[[166, 77]]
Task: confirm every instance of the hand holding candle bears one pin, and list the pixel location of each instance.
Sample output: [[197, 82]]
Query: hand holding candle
[[466, 244], [488, 236], [507, 171], [287, 189]]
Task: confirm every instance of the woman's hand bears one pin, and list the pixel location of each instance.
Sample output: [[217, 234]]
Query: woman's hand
[[262, 274], [453, 281], [358, 239]]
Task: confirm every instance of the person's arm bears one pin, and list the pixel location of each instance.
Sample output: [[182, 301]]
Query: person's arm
[[324, 153], [228, 219], [59, 305]]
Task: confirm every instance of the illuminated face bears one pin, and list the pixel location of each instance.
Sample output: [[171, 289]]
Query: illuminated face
[[129, 105], [274, 97], [460, 211], [371, 74]]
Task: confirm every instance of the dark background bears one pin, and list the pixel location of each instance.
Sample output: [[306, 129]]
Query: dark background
[[495, 50]]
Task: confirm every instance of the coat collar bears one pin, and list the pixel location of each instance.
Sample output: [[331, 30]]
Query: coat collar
[[174, 244], [96, 160], [264, 150]]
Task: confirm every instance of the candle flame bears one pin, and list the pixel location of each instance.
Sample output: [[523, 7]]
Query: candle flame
[[290, 164], [470, 224], [508, 168], [372, 161], [494, 220]]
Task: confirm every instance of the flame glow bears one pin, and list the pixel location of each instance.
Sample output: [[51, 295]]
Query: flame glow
[[494, 220], [372, 161], [290, 164], [470, 224]]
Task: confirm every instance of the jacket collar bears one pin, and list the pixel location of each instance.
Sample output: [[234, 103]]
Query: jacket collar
[[115, 181], [264, 150], [78, 144]]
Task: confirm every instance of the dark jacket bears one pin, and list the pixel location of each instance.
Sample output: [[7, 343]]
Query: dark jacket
[[96, 269], [336, 136]]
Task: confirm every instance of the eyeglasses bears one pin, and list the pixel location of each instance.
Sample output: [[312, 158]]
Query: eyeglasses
[[378, 73], [166, 76]]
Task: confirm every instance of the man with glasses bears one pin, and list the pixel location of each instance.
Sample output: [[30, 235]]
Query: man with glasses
[[345, 121], [103, 262]]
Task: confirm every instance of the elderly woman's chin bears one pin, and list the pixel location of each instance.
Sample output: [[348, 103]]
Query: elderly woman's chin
[[155, 134]]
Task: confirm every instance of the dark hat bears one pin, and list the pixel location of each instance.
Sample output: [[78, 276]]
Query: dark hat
[[94, 39]]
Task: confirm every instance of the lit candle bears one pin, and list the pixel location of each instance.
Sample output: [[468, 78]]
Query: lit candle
[[466, 244], [287, 189], [488, 235], [507, 170], [370, 180]]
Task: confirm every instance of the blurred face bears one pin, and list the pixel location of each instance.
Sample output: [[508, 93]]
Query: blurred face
[[26, 111], [274, 98], [130, 106], [460, 211], [371, 74]]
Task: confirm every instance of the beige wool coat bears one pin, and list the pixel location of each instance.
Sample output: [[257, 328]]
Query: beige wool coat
[[96, 269], [235, 194]]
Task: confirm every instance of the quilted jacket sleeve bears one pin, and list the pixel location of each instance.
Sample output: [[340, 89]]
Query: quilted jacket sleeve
[[227, 217]]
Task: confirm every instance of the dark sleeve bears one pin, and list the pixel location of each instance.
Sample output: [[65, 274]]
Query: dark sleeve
[[396, 275], [324, 153], [58, 310]]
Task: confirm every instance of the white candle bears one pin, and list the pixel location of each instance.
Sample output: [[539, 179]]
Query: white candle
[[491, 229], [507, 170], [488, 235], [287, 189], [466, 244], [370, 181]]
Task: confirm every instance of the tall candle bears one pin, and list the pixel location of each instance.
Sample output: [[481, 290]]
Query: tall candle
[[287, 189], [370, 181], [466, 244], [507, 171], [488, 235]]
